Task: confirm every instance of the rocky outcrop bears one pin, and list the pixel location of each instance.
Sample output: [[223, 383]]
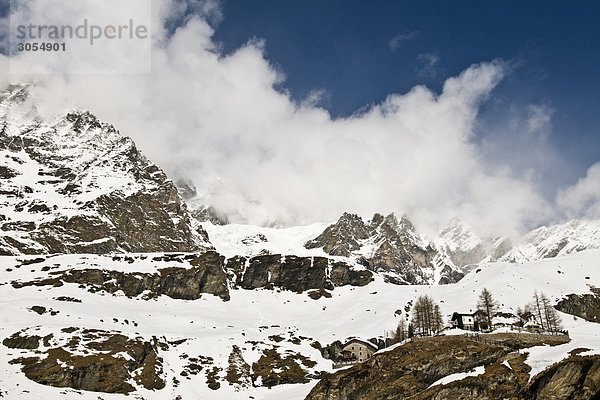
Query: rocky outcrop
[[406, 370], [273, 368], [294, 273], [106, 196], [503, 379], [586, 306], [576, 378], [111, 364], [206, 275], [409, 370], [341, 238]]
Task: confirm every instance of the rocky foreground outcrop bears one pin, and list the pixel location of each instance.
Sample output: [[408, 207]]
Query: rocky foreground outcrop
[[410, 371], [576, 378]]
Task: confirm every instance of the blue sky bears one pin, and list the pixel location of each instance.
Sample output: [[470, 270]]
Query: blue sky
[[358, 52]]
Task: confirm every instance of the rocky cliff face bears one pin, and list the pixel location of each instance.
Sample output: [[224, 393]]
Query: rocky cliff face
[[198, 275], [294, 273], [75, 185], [586, 306]]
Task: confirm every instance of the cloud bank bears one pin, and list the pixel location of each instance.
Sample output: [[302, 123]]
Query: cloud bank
[[223, 122]]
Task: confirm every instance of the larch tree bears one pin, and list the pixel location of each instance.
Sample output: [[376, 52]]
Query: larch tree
[[426, 316], [551, 317], [487, 305], [538, 309]]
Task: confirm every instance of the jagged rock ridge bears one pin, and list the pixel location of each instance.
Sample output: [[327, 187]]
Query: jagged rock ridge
[[387, 246]]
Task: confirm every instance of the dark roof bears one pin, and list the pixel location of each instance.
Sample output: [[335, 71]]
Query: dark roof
[[364, 342], [458, 314]]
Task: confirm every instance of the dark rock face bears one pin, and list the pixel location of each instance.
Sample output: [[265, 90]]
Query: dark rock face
[[586, 306], [576, 378], [103, 369], [206, 276], [20, 341], [408, 371], [342, 275], [341, 238], [208, 214], [293, 273], [107, 196]]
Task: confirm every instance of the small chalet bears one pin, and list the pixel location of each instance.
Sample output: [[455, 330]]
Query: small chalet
[[463, 321], [356, 350]]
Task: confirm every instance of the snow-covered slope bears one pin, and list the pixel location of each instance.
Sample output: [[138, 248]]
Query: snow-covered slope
[[75, 185], [209, 329], [556, 240]]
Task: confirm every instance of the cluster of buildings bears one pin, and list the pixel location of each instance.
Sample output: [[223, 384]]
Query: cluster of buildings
[[356, 350]]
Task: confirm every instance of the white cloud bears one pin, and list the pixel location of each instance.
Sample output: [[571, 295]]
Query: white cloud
[[397, 41], [582, 198], [260, 156]]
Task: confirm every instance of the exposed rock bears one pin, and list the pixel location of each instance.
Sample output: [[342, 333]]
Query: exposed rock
[[294, 273], [341, 238], [273, 368], [499, 381], [106, 369], [576, 378], [342, 275], [398, 252], [410, 369], [186, 189], [21, 341], [205, 276], [208, 214], [238, 371], [586, 306]]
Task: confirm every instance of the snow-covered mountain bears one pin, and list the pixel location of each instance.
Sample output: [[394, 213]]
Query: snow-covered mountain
[[556, 240], [76, 185], [112, 289]]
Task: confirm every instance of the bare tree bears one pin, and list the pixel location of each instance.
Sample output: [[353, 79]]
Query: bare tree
[[551, 317], [487, 305], [538, 309], [426, 316]]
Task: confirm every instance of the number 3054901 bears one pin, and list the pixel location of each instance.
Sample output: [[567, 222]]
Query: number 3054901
[[46, 46]]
